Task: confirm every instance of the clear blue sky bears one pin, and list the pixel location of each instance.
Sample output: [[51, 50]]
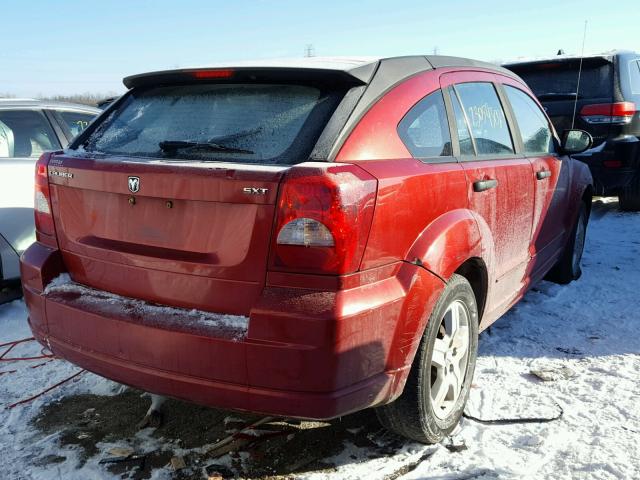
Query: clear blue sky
[[69, 46]]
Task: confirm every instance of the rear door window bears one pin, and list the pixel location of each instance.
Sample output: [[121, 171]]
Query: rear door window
[[25, 134], [462, 125], [74, 122], [425, 130], [248, 123], [486, 118], [532, 122]]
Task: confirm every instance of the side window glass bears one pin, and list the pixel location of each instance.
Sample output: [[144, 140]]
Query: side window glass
[[25, 134], [462, 125], [425, 130], [634, 74], [75, 122], [533, 124], [488, 123]]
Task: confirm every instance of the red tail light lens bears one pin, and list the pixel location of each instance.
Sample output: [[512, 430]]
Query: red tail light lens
[[323, 220], [612, 163], [613, 113], [42, 200]]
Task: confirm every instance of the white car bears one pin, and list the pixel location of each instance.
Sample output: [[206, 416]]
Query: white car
[[28, 128]]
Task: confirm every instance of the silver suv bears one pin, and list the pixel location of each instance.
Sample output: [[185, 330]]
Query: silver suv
[[28, 128]]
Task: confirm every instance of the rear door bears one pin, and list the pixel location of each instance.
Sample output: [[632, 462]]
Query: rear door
[[24, 135], [500, 185], [552, 179], [171, 199]]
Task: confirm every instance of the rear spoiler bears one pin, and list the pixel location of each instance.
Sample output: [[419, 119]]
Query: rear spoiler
[[551, 63], [360, 75]]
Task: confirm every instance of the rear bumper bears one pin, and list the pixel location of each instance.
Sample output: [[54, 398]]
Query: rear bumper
[[306, 353], [613, 164], [224, 394]]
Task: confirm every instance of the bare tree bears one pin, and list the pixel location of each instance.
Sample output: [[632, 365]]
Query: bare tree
[[86, 98]]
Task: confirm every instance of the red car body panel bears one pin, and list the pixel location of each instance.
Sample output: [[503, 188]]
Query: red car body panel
[[156, 253], [317, 346], [308, 353]]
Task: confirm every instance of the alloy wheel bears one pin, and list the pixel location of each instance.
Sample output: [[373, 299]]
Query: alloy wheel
[[449, 359]]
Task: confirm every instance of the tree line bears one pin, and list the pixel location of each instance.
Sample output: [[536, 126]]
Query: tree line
[[91, 99]]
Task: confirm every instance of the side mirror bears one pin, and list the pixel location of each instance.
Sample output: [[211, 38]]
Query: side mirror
[[576, 141]]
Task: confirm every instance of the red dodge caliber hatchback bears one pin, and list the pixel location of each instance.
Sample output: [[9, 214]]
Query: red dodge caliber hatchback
[[304, 240]]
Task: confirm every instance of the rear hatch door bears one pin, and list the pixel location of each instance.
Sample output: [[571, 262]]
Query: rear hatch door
[[555, 83], [171, 197]]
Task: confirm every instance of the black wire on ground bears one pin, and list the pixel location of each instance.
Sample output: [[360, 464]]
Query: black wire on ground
[[515, 421]]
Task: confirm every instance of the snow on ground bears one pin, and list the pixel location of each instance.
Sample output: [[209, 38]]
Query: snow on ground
[[582, 337], [589, 328], [18, 443]]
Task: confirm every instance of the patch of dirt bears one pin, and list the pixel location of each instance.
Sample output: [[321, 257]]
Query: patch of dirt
[[85, 420], [276, 450]]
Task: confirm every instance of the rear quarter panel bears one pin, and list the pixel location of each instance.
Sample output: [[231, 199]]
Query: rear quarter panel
[[421, 215], [412, 194]]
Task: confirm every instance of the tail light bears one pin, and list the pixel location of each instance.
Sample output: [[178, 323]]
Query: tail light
[[210, 74], [42, 200], [612, 163], [619, 113], [323, 219]]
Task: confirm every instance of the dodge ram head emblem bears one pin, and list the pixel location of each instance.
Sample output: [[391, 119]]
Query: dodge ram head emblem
[[134, 184]]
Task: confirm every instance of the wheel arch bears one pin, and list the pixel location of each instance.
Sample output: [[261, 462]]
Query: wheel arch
[[448, 242], [474, 270], [451, 244], [458, 242]]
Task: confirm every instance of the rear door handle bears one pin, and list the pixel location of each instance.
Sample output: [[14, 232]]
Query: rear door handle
[[542, 174], [482, 185]]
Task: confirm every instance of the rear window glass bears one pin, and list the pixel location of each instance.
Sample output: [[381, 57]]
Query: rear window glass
[[247, 123], [560, 80]]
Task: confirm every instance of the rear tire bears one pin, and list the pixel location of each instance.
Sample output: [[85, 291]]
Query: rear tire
[[629, 198], [438, 385], [568, 267]]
